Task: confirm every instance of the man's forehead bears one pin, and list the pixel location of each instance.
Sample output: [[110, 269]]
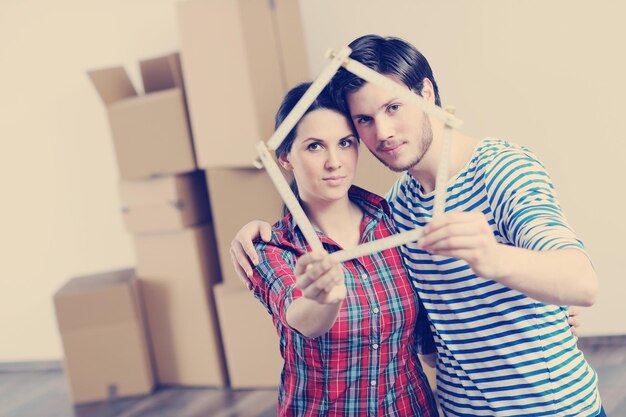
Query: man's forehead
[[369, 97]]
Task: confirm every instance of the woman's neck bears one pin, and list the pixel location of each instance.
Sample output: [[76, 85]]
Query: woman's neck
[[339, 220]]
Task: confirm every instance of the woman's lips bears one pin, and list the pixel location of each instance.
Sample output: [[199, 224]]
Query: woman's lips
[[334, 180]]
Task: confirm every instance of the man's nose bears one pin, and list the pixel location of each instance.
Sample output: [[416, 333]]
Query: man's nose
[[384, 129]]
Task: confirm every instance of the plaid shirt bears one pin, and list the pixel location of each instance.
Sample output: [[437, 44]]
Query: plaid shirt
[[366, 364]]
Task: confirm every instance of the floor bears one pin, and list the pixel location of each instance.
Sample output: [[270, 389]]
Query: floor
[[39, 390]]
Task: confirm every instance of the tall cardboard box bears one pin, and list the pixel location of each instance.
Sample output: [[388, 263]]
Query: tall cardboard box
[[235, 86], [238, 196], [250, 339], [102, 329], [177, 271], [165, 203], [151, 133]]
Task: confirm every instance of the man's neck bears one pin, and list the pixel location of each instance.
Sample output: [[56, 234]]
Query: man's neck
[[461, 150]]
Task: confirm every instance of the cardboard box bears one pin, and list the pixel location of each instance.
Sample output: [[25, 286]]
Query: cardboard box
[[177, 271], [238, 196], [235, 86], [102, 329], [151, 132], [166, 203], [250, 339]]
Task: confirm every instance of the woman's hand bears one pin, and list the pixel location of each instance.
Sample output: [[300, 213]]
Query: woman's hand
[[320, 278]]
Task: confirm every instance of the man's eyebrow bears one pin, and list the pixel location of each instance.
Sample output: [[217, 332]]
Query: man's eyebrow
[[382, 106]]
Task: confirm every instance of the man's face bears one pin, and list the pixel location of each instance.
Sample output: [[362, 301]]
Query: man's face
[[398, 133]]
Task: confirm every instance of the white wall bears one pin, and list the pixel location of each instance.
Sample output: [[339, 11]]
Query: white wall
[[545, 74], [59, 216]]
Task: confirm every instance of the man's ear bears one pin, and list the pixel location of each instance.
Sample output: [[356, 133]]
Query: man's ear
[[428, 91], [283, 160]]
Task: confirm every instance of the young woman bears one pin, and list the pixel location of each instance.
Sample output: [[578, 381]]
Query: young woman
[[349, 333]]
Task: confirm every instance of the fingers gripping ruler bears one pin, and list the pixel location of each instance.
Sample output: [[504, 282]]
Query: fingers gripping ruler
[[338, 60]]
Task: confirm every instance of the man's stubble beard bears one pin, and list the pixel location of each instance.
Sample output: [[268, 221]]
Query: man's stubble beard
[[427, 139]]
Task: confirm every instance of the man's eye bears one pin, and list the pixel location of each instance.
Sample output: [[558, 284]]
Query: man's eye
[[393, 107], [363, 120]]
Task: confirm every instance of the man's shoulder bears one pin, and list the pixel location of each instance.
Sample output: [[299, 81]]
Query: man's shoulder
[[500, 153]]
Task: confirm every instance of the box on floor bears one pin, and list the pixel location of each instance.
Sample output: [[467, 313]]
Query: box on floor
[[103, 333]]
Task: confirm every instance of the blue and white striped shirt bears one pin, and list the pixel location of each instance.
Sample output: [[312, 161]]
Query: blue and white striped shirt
[[500, 352]]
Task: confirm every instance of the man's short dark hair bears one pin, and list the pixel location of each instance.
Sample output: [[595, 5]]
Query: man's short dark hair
[[386, 55]]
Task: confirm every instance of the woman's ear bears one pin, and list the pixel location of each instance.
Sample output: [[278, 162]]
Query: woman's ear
[[283, 160]]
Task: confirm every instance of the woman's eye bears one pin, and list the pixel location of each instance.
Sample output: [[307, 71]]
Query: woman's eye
[[345, 143], [313, 146]]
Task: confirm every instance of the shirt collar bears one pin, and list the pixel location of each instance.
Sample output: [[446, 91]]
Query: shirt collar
[[373, 206]]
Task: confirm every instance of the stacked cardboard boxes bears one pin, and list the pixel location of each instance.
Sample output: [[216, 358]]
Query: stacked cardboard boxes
[[204, 326], [234, 89], [165, 206]]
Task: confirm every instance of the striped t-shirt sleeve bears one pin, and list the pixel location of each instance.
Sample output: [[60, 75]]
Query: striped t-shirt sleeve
[[524, 202]]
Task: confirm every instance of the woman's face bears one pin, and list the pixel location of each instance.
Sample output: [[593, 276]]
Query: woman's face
[[323, 156]]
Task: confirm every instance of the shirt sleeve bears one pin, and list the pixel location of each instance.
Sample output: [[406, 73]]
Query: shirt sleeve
[[524, 203], [424, 339], [273, 281]]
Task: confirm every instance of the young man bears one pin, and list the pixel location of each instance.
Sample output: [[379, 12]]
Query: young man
[[495, 269]]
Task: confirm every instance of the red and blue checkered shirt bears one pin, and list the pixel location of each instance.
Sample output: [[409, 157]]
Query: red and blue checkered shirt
[[366, 364]]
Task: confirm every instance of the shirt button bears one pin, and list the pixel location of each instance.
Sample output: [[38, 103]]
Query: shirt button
[[363, 276], [373, 383], [375, 310], [375, 346]]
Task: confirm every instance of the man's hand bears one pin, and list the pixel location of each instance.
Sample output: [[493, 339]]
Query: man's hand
[[466, 236], [320, 278], [242, 253], [574, 321]]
